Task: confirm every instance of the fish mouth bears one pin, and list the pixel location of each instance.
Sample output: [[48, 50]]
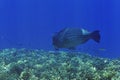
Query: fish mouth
[[56, 48]]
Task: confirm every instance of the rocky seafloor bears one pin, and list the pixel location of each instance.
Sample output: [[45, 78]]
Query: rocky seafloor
[[24, 64]]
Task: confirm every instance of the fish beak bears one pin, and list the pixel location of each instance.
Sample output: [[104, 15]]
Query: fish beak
[[56, 48]]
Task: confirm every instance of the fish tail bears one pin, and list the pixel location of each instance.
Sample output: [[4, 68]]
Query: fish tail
[[95, 36]]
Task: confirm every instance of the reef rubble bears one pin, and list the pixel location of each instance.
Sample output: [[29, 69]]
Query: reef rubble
[[25, 64]]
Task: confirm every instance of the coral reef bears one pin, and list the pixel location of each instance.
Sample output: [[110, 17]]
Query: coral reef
[[24, 64]]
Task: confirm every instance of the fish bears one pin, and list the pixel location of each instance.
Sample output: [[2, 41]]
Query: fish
[[70, 38], [102, 49]]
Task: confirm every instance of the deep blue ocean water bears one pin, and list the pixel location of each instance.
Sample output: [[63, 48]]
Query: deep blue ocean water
[[32, 23]]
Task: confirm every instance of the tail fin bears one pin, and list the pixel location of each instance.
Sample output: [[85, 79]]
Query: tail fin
[[95, 36]]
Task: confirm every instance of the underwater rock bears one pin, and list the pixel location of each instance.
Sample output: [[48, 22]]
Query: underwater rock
[[52, 65]]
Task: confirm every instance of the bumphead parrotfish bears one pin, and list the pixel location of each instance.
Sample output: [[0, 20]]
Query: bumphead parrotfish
[[72, 37]]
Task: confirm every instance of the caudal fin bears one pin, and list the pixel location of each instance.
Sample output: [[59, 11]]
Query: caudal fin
[[95, 36]]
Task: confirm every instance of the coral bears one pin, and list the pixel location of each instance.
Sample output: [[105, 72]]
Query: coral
[[23, 64], [25, 75]]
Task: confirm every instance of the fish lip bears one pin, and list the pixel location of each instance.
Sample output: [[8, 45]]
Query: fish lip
[[55, 47]]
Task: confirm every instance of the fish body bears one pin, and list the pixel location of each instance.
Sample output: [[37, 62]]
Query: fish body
[[72, 37]]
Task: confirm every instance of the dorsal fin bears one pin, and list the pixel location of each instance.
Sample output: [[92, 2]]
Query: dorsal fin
[[84, 32]]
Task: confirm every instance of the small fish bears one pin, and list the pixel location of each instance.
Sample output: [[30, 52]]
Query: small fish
[[71, 37], [102, 49]]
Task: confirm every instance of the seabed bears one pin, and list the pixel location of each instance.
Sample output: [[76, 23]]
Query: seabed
[[24, 64]]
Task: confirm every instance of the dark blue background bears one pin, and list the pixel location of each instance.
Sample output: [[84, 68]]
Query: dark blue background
[[31, 23]]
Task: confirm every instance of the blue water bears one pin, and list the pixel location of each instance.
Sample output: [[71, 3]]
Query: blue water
[[31, 23]]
